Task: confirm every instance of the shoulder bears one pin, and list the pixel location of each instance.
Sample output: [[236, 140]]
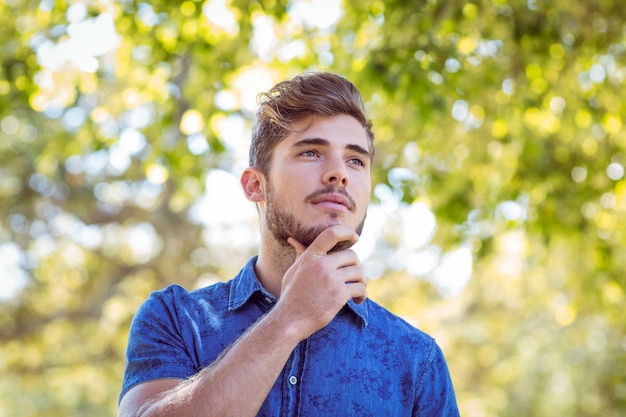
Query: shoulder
[[381, 319], [392, 333], [176, 300]]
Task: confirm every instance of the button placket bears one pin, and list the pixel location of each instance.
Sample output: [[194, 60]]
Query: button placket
[[292, 381]]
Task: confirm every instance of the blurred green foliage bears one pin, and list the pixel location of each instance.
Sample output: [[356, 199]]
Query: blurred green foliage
[[504, 118]]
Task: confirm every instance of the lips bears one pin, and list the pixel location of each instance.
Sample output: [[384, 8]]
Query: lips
[[333, 201]]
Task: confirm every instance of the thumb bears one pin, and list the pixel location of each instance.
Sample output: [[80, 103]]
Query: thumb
[[299, 247]]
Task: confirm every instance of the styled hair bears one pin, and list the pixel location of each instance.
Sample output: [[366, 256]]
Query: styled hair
[[305, 96]]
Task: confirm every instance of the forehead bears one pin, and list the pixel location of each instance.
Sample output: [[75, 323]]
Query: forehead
[[341, 130]]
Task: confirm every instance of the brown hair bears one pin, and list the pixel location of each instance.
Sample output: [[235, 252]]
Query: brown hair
[[288, 102]]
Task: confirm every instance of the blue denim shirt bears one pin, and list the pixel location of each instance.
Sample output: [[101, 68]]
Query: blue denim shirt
[[366, 362]]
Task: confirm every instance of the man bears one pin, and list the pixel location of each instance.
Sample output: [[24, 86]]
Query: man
[[293, 334]]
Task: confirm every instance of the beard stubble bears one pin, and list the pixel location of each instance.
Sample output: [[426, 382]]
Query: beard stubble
[[283, 224]]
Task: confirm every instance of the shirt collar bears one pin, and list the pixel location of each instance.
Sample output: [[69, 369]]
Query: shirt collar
[[246, 284], [360, 310]]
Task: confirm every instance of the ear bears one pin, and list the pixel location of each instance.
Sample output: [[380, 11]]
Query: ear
[[253, 184]]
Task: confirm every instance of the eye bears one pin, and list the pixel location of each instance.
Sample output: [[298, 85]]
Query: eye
[[356, 161], [309, 154]]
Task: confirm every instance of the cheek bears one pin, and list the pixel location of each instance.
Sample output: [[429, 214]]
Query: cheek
[[284, 193], [362, 189]]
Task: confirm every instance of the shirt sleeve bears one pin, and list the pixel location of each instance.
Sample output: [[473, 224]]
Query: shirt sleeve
[[435, 395], [156, 348]]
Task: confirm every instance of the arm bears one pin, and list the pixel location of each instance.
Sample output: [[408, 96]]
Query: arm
[[232, 377], [305, 306]]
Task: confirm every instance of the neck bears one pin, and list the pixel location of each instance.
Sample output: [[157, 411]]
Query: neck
[[273, 262]]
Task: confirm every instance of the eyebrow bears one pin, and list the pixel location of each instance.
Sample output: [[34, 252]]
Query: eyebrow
[[324, 142]]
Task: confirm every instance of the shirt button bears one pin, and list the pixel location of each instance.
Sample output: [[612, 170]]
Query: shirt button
[[268, 300], [293, 380]]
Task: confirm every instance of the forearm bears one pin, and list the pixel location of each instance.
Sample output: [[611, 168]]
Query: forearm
[[238, 382]]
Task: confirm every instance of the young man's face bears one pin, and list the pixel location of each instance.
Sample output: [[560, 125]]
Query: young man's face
[[319, 177]]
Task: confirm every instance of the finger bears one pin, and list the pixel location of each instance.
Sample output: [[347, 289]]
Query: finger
[[341, 246], [330, 237], [358, 291], [299, 247], [355, 282], [346, 260]]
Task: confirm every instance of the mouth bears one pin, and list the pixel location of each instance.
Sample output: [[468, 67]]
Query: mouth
[[333, 201]]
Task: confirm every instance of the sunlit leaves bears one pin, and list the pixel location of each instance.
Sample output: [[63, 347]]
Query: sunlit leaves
[[191, 122], [500, 151]]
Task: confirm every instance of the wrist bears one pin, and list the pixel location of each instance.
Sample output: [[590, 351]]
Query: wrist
[[285, 325]]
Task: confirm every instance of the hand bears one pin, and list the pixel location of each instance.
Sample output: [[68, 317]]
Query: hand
[[319, 283]]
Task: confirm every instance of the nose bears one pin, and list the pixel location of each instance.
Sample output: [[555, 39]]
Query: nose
[[335, 173]]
